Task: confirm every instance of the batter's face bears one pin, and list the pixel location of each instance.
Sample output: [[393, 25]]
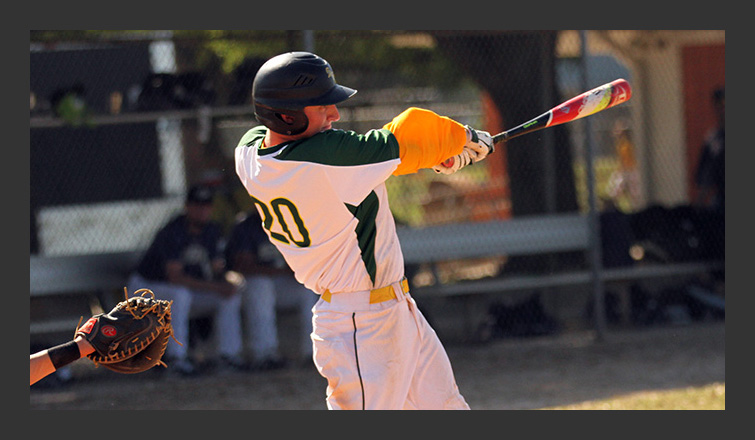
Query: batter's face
[[321, 118]]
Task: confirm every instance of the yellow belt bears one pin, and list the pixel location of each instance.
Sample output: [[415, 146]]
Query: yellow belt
[[376, 295]]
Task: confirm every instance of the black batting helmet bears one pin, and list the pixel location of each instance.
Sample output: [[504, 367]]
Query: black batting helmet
[[287, 83]]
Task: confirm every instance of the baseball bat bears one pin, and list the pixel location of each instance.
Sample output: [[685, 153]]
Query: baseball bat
[[585, 104]]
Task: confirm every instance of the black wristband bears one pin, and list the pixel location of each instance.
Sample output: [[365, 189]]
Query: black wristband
[[63, 354]]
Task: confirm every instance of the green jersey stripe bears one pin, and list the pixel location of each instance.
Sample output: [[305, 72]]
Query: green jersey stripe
[[366, 230]]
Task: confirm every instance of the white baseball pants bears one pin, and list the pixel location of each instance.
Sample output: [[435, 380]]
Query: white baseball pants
[[382, 356]]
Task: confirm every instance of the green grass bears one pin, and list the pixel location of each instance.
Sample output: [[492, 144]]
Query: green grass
[[710, 397]]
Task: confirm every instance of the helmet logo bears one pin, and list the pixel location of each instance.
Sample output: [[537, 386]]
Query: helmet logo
[[329, 72]]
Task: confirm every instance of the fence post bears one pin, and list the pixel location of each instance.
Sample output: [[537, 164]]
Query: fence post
[[593, 215]]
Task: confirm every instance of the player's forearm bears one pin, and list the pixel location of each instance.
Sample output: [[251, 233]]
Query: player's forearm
[[40, 366], [425, 139], [247, 264], [182, 279]]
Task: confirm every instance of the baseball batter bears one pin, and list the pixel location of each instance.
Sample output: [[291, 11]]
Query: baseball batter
[[322, 198]]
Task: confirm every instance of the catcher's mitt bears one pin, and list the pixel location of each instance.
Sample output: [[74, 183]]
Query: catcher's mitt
[[133, 337]]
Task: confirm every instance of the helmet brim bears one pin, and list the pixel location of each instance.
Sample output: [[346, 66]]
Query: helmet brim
[[337, 94]]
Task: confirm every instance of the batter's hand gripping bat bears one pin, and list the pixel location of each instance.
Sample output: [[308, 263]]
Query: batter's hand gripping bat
[[588, 103]]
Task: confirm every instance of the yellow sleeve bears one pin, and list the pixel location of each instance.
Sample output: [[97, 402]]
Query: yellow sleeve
[[425, 139]]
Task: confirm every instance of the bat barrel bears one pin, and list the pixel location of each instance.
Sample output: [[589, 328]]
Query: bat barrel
[[593, 101]]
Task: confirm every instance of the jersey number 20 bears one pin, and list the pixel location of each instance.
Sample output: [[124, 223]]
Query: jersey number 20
[[278, 206]]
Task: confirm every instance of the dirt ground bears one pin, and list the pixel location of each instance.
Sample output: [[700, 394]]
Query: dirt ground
[[502, 374]]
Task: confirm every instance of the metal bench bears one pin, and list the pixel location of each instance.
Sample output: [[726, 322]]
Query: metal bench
[[527, 236], [517, 236], [98, 277], [102, 277]]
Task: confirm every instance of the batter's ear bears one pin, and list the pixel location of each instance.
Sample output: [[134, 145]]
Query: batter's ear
[[288, 122], [288, 119]]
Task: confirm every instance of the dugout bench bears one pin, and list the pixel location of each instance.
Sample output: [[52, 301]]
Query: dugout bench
[[64, 289], [556, 233], [100, 278], [62, 286]]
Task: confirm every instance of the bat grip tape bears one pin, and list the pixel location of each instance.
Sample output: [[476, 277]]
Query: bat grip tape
[[63, 354]]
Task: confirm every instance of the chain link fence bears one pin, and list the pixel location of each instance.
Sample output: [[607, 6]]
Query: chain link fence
[[123, 122]]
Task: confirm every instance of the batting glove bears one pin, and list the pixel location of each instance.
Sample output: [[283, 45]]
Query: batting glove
[[481, 142], [454, 164], [479, 145]]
